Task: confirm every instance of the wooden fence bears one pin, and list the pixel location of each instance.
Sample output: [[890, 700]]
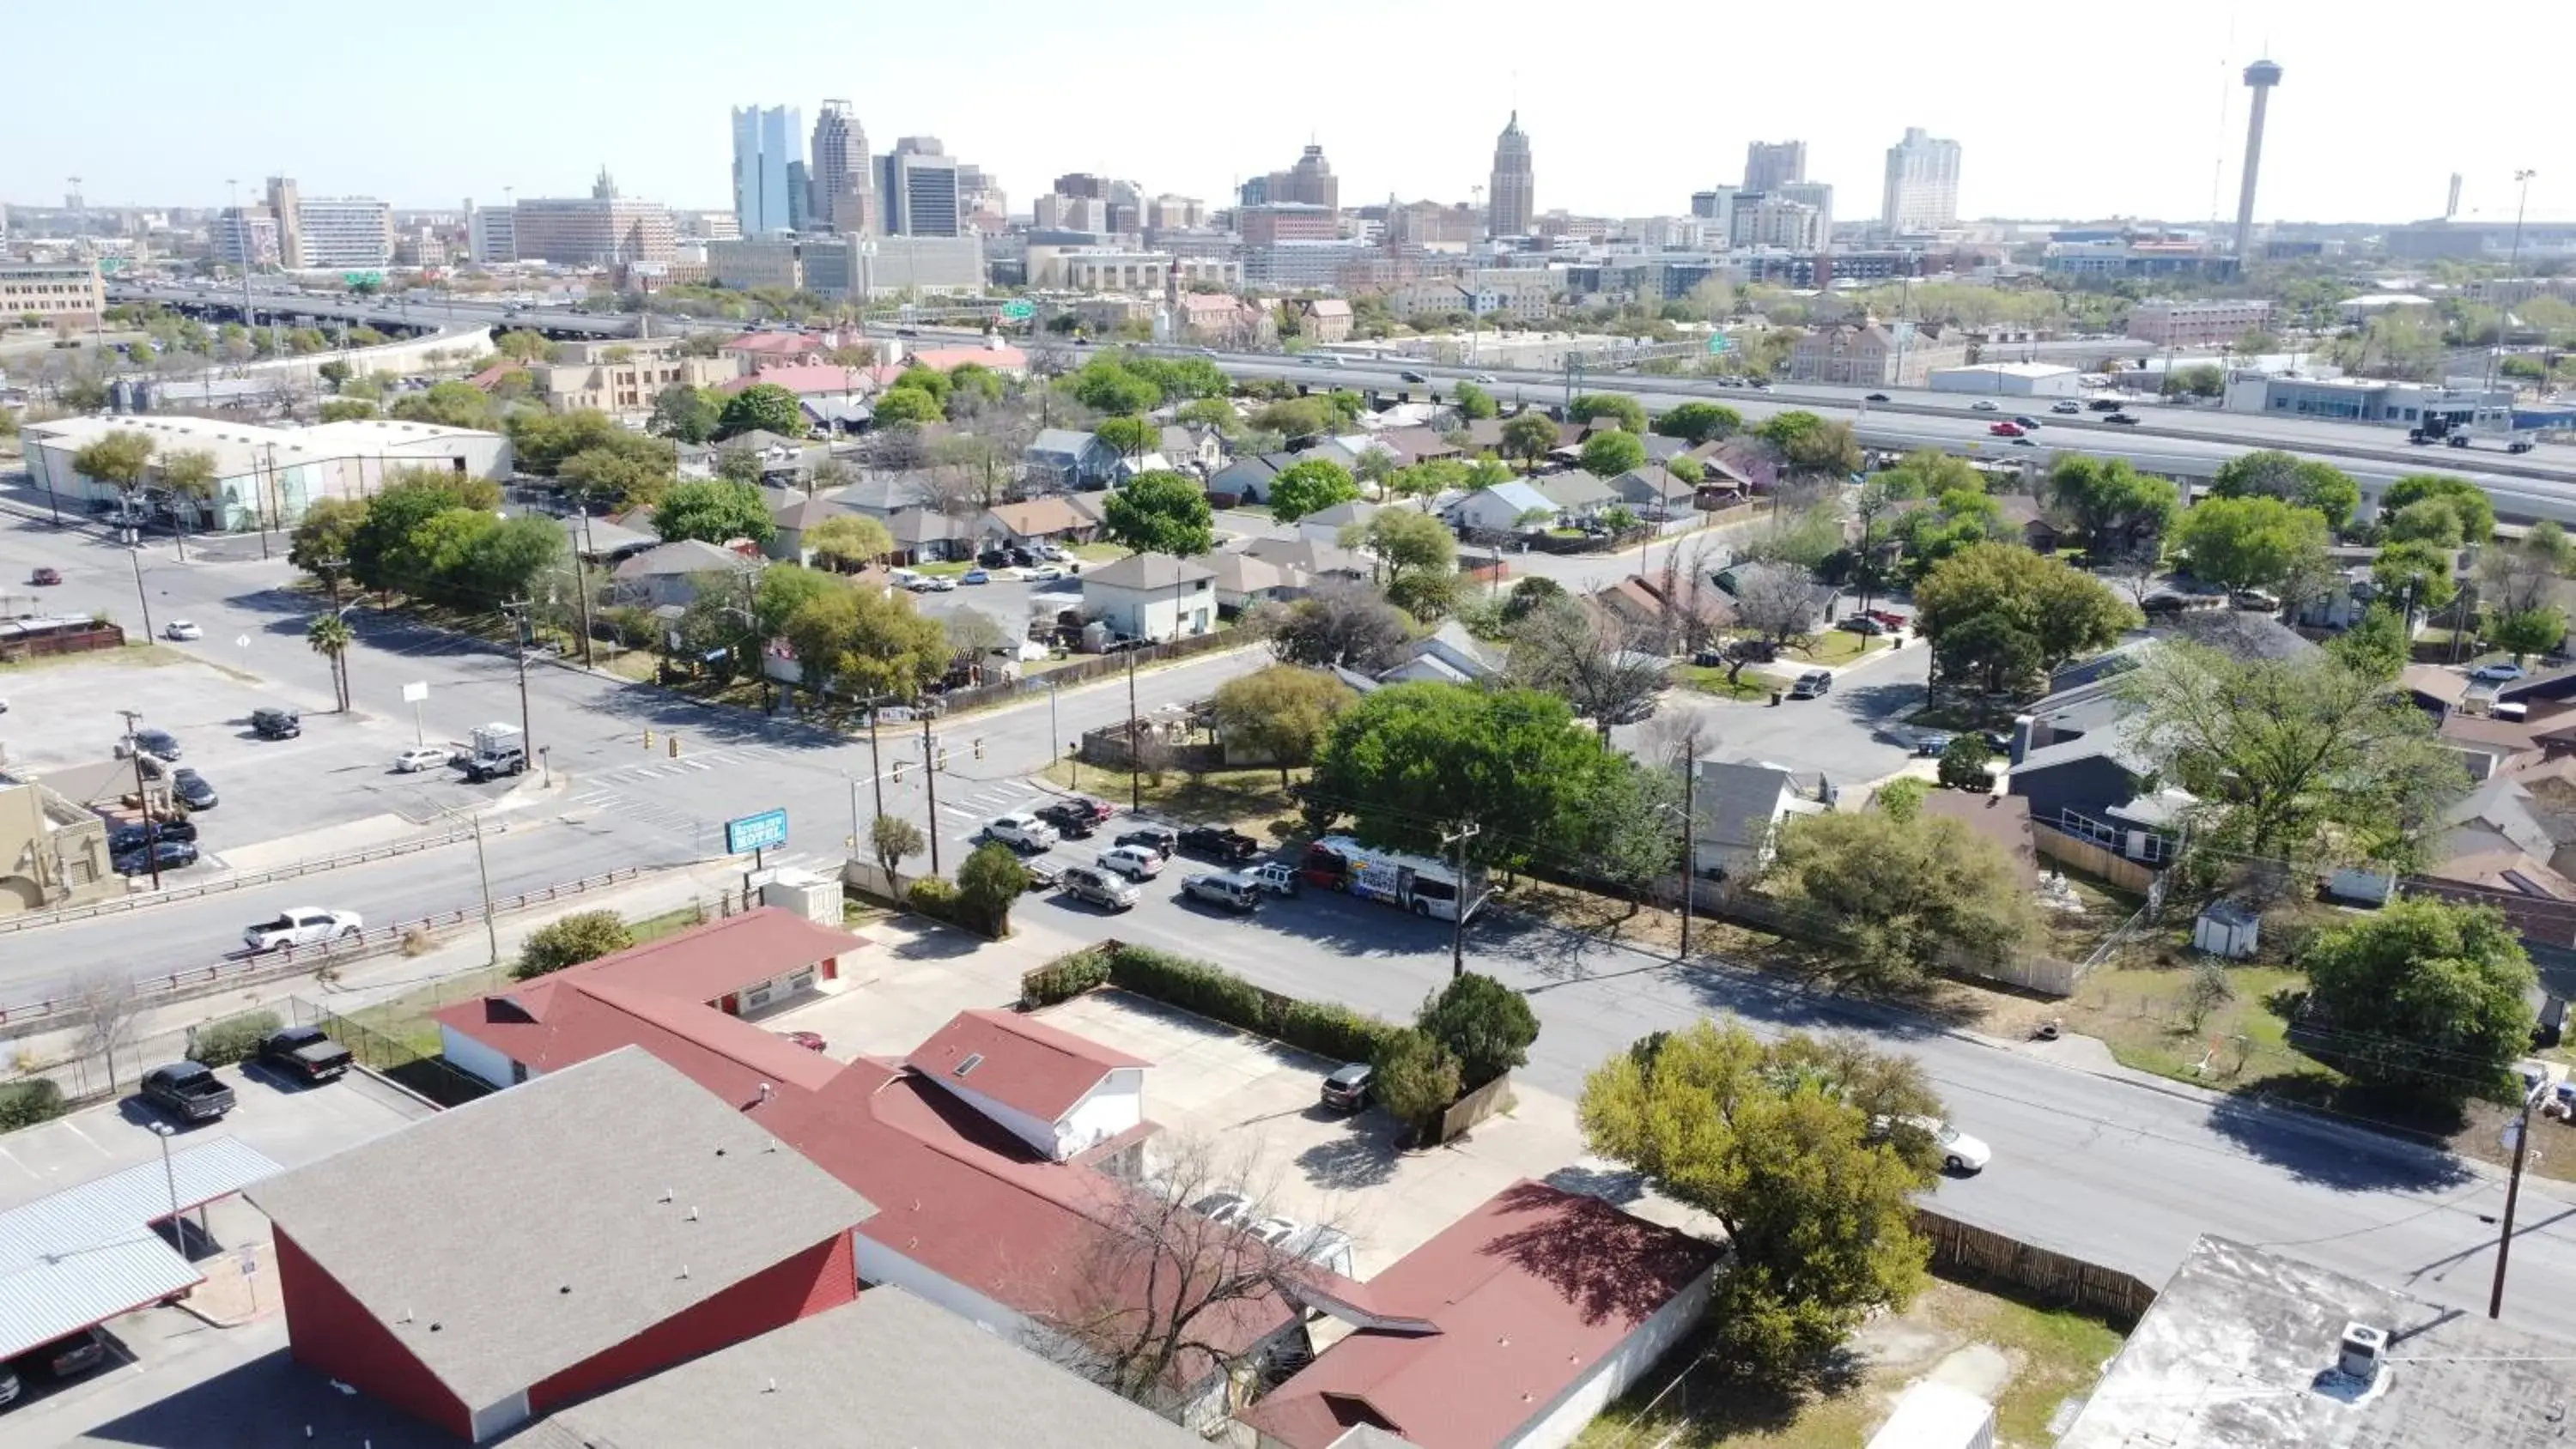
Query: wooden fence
[[1963, 1250], [2091, 859], [1082, 671]]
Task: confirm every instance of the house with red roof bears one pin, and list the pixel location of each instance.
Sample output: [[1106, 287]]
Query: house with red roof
[[1059, 1093], [1515, 1326], [775, 349]]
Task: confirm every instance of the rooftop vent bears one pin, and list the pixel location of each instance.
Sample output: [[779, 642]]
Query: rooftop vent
[[973, 1060], [2360, 1351]]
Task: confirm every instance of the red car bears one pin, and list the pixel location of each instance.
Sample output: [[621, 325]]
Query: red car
[[47, 577], [2005, 430], [1893, 621], [811, 1041]]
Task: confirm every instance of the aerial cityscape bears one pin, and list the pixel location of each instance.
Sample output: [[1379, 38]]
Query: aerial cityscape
[[1566, 759]]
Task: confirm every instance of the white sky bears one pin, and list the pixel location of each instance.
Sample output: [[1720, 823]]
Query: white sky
[[2073, 111]]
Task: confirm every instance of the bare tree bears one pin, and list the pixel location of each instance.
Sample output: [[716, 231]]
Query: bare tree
[[1776, 601], [104, 1005], [895, 448], [1677, 737], [1159, 1299], [1342, 623], [1609, 667], [1693, 607]]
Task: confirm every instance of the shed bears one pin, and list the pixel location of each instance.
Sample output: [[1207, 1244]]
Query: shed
[[1934, 1415], [2226, 928]]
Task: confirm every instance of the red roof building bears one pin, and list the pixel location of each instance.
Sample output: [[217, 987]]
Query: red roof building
[[1515, 1326], [1057, 1092], [809, 379]]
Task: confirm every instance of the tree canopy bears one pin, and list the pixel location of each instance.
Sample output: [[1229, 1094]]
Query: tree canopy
[[2249, 542], [1488, 1026], [690, 414], [2108, 500], [2300, 482], [1310, 487], [2423, 994], [1700, 422], [2028, 613], [1626, 411], [1897, 896], [762, 407], [713, 509], [1160, 512], [1607, 455], [1283, 712], [2468, 502], [1529, 437]]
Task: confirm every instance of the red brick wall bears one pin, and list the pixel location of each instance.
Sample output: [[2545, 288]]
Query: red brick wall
[[334, 1335], [821, 1277]]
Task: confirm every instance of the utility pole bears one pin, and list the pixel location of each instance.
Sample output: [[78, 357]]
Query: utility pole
[[1457, 840], [876, 765], [581, 587], [1135, 743], [518, 612], [143, 797], [1690, 811], [2513, 1192], [134, 556], [930, 782]]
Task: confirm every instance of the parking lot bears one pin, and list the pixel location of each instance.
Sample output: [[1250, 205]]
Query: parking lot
[[336, 773]]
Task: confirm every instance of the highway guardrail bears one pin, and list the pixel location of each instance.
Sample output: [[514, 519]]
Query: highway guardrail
[[33, 920]]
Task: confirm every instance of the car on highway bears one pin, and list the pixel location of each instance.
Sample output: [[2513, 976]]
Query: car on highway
[[305, 1053], [1875, 397], [1409, 375], [2069, 406], [159, 744], [1099, 887], [1487, 378], [1221, 842], [1231, 889], [1026, 833], [191, 789], [182, 629], [188, 1091], [2497, 673], [45, 578], [2123, 419], [163, 855], [1985, 405], [2026, 424], [2025, 442], [1135, 862], [303, 926], [2105, 405], [422, 757], [2004, 429], [127, 839]]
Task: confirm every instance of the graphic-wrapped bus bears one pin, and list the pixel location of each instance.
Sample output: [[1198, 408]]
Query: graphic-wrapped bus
[[1420, 884]]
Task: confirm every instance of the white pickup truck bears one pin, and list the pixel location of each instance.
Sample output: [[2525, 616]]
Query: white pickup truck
[[303, 926]]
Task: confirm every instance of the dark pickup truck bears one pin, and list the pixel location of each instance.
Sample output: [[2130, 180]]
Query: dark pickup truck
[[188, 1090], [1222, 843], [304, 1052]]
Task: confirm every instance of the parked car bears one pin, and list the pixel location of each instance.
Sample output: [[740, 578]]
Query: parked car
[[63, 1358], [126, 839], [303, 1051], [1932, 742], [1070, 820], [421, 757], [187, 1090], [1814, 684], [1861, 624], [1099, 887], [811, 1041], [2256, 600], [1347, 1089], [1230, 889], [1224, 1207], [1022, 832], [1135, 862], [160, 744], [276, 724], [45, 578], [1890, 618], [2496, 673], [1160, 840], [940, 583], [1984, 405], [1220, 842], [1276, 878], [1875, 397], [191, 789], [2069, 406], [1959, 1151], [1046, 574], [303, 926], [166, 855], [181, 629], [975, 576]]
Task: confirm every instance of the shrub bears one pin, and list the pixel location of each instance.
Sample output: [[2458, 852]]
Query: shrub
[[1417, 1077], [1329, 1029], [24, 1104], [990, 880], [1963, 764], [935, 898], [1063, 979], [581, 936], [1488, 1026], [1324, 1028], [233, 1039]]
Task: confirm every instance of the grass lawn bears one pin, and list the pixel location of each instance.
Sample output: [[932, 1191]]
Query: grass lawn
[[943, 570], [1835, 646], [1099, 552], [1753, 684], [1248, 799], [148, 656], [2052, 1355]]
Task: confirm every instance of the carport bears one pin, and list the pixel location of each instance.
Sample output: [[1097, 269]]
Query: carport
[[89, 1253]]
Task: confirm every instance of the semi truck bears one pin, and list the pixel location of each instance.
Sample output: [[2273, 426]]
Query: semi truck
[[2480, 434]]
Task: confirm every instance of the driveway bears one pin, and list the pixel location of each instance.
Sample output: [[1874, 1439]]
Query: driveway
[[1848, 736]]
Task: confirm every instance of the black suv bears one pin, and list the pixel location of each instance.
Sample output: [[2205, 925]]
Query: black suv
[[276, 724], [1072, 821], [128, 839], [192, 790], [1219, 841]]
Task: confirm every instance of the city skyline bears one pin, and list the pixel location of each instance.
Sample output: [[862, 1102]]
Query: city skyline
[[2046, 147]]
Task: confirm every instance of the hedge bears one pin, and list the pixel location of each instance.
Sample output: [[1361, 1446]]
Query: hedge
[[233, 1039], [1324, 1028], [24, 1104]]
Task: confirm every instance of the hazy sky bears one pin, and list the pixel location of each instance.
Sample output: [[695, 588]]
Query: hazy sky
[[2063, 110]]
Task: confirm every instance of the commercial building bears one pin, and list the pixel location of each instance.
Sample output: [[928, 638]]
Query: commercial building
[[1876, 354], [1286, 221], [602, 229], [2122, 256], [332, 232], [1308, 183], [1772, 220], [1294, 265], [244, 236], [768, 169], [2214, 323], [2007, 379], [844, 181], [610, 1220], [53, 850], [920, 189], [1177, 213], [1511, 203], [1120, 269], [492, 234], [1922, 185], [1770, 164], [263, 473], [283, 203], [2367, 400], [65, 293], [1521, 293], [622, 377]]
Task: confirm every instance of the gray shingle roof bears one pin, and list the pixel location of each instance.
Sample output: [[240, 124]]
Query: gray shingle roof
[[514, 1237], [886, 1370], [1149, 571]]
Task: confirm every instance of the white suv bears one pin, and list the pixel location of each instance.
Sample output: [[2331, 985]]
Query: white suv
[[1022, 832], [303, 926]]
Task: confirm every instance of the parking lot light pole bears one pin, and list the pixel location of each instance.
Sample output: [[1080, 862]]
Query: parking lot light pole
[[142, 798]]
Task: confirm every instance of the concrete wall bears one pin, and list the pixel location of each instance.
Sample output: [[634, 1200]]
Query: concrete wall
[[411, 354]]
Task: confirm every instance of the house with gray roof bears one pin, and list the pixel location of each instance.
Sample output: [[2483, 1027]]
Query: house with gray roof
[[668, 574], [1654, 492], [1311, 556], [1069, 458], [2101, 786], [1736, 812], [1576, 493], [1251, 475], [923, 535], [1152, 596], [1325, 525], [1448, 655], [1501, 507]]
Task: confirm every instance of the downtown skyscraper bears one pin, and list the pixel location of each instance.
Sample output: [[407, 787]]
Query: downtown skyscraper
[[1511, 206], [1922, 191], [769, 180]]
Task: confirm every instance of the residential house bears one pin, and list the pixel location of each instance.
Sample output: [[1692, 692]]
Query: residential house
[[2099, 786], [1065, 458], [669, 573], [1199, 451], [1053, 519], [1126, 470], [2023, 513], [1251, 475], [797, 517], [1325, 525], [2003, 820], [1504, 508], [1243, 580], [1692, 612], [882, 495], [1325, 319], [603, 540], [2493, 745], [1739, 465], [1737, 810], [834, 398], [922, 535], [1653, 493], [1320, 560], [1417, 445], [1152, 596], [1448, 655]]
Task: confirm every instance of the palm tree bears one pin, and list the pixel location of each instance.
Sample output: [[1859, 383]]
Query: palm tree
[[330, 637]]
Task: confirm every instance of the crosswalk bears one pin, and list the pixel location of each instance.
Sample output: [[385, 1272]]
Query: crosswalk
[[975, 804], [694, 763]]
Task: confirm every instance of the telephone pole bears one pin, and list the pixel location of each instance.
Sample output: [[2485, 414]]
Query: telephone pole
[[2513, 1193], [930, 782], [518, 612], [1457, 840], [1135, 742], [1690, 804], [143, 797]]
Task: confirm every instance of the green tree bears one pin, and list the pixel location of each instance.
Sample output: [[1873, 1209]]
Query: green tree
[[329, 636], [715, 510], [570, 941], [1132, 435], [1897, 898], [2249, 542], [321, 541], [785, 588], [1607, 455], [1282, 711], [2201, 381], [906, 405], [2374, 648], [763, 407], [2416, 572], [616, 479], [1964, 763], [690, 414], [1310, 487], [849, 540], [118, 460], [2528, 631], [1104, 385], [2060, 611], [2427, 520], [2299, 482], [1529, 437], [335, 372], [1474, 403], [2424, 995], [1303, 417], [1629, 413], [990, 880], [1700, 422], [1160, 512], [1416, 1078], [893, 839], [1774, 1142], [1529, 594], [449, 404], [524, 346], [2300, 760], [347, 410], [2468, 502], [1488, 1026], [2109, 500], [866, 642], [192, 474], [929, 379]]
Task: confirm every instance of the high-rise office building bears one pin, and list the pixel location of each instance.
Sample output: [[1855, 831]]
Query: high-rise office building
[[766, 141], [1512, 201], [1178, 213], [244, 235], [1308, 183], [598, 230], [1768, 165], [1083, 184], [282, 206], [1922, 191], [919, 191], [341, 231], [492, 233], [842, 187]]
